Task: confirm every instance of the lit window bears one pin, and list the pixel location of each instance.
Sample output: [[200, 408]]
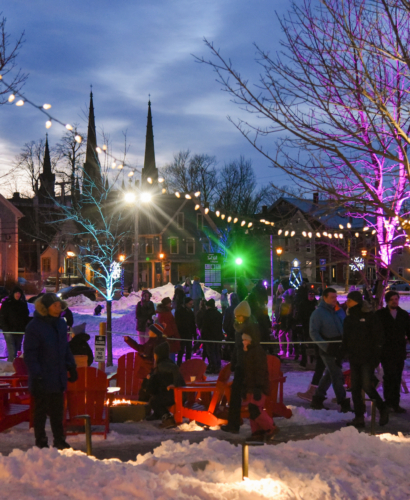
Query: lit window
[[46, 264]]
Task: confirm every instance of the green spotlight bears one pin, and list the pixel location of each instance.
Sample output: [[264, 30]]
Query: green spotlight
[[238, 261]]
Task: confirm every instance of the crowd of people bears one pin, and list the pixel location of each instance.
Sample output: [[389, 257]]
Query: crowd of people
[[172, 331]]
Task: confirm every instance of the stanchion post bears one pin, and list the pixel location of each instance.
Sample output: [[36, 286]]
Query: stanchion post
[[87, 424], [373, 421], [245, 460], [103, 331]]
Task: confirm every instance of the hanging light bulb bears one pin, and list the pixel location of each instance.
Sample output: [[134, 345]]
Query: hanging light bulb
[[262, 221], [286, 233], [267, 222], [104, 147], [20, 103], [120, 166], [348, 225], [235, 220], [222, 216], [197, 194], [98, 149], [161, 179], [250, 224], [329, 235], [279, 232], [243, 222], [46, 106], [341, 226], [78, 138], [336, 236], [292, 233], [197, 206], [164, 190], [11, 97], [217, 213], [341, 236], [188, 196], [48, 123], [318, 235], [130, 174], [177, 195], [309, 234], [324, 233], [114, 165], [366, 228], [374, 231], [206, 210], [69, 127], [356, 234], [304, 233], [272, 223], [149, 180], [229, 219]]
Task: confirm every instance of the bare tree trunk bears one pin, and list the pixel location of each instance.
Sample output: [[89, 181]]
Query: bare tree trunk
[[109, 334]]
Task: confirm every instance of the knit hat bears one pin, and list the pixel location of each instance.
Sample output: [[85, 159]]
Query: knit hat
[[78, 328], [210, 303], [49, 299], [243, 309], [166, 301], [245, 336], [158, 329], [356, 296], [162, 351]]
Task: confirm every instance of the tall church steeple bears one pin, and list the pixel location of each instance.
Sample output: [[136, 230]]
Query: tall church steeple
[[150, 169], [92, 170], [47, 178]]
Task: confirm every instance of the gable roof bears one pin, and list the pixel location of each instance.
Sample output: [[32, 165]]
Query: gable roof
[[11, 207]]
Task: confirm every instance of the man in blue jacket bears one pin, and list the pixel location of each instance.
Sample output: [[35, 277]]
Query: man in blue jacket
[[48, 358], [326, 324]]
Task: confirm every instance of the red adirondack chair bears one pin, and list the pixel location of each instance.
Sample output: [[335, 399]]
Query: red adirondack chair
[[193, 368], [275, 406], [12, 414], [132, 369], [18, 379], [88, 396]]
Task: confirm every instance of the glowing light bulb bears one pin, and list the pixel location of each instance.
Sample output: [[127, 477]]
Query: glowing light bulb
[[69, 127], [20, 103], [324, 233], [250, 224], [229, 219], [243, 222], [177, 195], [286, 233], [197, 194], [78, 138], [318, 235], [104, 147], [222, 216], [11, 97], [48, 123], [374, 231], [206, 210], [217, 213], [340, 226], [164, 190], [348, 225], [235, 220], [114, 165], [161, 179], [280, 232], [120, 166], [341, 236], [329, 235], [304, 233], [46, 106], [366, 228], [188, 196], [149, 180], [98, 149], [356, 235], [309, 234], [196, 207], [130, 174], [292, 233], [262, 220], [336, 236]]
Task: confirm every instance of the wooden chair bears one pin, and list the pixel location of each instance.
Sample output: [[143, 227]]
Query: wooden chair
[[132, 369], [193, 368], [18, 379], [274, 405], [201, 410], [12, 414], [88, 396]]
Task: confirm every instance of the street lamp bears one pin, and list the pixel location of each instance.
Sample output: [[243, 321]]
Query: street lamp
[[364, 253], [70, 255], [279, 251], [238, 262]]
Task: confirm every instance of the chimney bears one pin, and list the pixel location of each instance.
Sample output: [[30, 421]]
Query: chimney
[[264, 209], [316, 198]]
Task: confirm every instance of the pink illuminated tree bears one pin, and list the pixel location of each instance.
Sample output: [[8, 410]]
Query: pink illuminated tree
[[331, 109]]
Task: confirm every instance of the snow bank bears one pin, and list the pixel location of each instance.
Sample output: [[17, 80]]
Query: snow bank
[[80, 300], [345, 465]]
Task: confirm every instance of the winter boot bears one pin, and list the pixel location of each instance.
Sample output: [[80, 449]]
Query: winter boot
[[345, 406], [357, 422], [317, 403], [308, 395], [42, 443], [61, 445], [168, 421], [230, 428], [384, 415]]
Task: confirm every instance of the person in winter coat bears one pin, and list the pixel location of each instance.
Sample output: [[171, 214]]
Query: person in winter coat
[[67, 315], [166, 318], [305, 309], [144, 312], [228, 322], [79, 343], [286, 325], [185, 320], [260, 313], [14, 317], [187, 287], [163, 378], [178, 298], [197, 294], [212, 331], [48, 358], [155, 332], [224, 300], [362, 342], [326, 323], [396, 326], [256, 386], [243, 320]]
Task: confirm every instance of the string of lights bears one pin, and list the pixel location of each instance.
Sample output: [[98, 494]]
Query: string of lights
[[44, 108]]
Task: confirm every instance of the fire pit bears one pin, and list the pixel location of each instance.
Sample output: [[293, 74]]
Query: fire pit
[[122, 410]]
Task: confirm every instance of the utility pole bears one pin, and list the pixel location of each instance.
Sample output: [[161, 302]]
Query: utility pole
[[136, 230], [347, 265]]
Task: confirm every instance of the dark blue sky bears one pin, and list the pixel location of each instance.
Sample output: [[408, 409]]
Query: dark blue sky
[[128, 49]]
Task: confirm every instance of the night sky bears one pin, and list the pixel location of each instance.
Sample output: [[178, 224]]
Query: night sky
[[128, 49]]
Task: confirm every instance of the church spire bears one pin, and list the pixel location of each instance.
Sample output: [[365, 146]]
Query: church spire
[[92, 169], [150, 169], [47, 178]]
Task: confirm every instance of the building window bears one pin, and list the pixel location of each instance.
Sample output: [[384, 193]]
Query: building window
[[149, 246], [173, 246], [401, 271], [46, 264], [180, 220], [190, 246], [308, 245], [297, 245], [199, 221]]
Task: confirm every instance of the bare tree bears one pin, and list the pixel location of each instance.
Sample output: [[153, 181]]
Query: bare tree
[[73, 154], [237, 188], [335, 108], [8, 56], [189, 173]]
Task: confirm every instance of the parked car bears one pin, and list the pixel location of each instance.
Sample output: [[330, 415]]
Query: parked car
[[74, 291], [399, 286]]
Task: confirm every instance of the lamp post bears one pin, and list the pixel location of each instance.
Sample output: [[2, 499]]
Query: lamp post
[[238, 262], [70, 255], [121, 258], [279, 252]]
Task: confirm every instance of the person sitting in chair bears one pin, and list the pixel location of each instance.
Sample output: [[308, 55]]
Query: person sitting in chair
[[155, 332]]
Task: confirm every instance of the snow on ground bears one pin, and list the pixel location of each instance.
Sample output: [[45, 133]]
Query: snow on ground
[[345, 465]]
